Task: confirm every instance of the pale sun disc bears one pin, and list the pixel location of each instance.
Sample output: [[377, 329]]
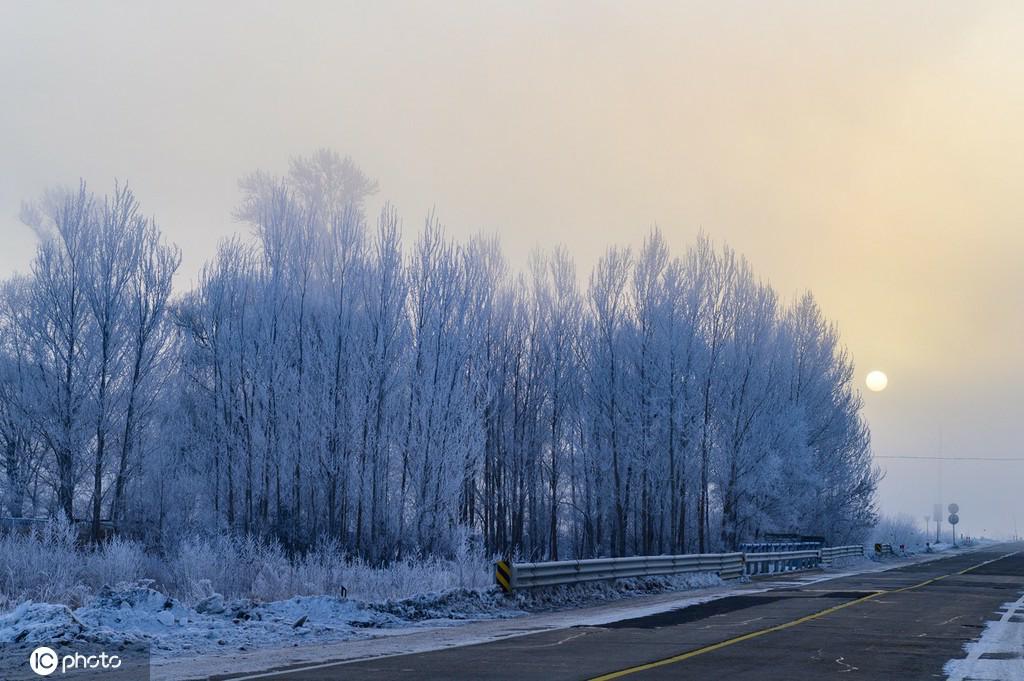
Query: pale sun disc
[[876, 381]]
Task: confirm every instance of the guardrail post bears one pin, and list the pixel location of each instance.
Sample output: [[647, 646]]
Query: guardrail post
[[503, 575]]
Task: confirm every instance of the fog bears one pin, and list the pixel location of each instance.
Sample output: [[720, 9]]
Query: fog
[[868, 153]]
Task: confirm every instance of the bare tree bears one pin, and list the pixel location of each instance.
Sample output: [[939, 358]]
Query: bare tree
[[59, 332]]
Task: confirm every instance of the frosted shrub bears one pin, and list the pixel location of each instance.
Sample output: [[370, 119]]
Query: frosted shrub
[[898, 530], [47, 565], [118, 560], [413, 575], [470, 568], [239, 567], [228, 565], [322, 571]]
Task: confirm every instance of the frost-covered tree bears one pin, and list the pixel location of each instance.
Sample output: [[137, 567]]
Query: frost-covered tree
[[330, 378], [19, 438], [82, 337]]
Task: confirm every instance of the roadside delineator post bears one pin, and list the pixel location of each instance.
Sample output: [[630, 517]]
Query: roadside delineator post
[[503, 575]]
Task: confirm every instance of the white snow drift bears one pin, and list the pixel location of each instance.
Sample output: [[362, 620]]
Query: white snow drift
[[136, 612]]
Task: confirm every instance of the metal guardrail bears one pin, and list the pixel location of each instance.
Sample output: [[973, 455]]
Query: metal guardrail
[[830, 553], [511, 576], [781, 561], [773, 547], [526, 575]]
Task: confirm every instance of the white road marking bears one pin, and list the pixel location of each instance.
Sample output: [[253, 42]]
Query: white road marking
[[849, 667]]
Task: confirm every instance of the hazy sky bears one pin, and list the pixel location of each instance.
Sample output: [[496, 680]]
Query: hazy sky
[[873, 154]]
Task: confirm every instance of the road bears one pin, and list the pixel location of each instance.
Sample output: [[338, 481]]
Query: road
[[904, 624]]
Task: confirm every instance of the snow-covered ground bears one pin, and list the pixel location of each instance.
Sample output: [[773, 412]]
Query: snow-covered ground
[[139, 613]]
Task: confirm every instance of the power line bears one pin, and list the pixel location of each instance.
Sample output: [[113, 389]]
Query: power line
[[952, 458]]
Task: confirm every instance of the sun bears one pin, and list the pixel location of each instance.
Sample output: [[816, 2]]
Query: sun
[[876, 381]]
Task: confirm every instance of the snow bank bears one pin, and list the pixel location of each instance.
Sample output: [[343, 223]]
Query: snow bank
[[136, 612], [453, 605], [36, 622], [480, 604]]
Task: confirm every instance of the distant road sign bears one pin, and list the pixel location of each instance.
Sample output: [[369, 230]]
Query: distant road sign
[[937, 513], [953, 518], [954, 508]]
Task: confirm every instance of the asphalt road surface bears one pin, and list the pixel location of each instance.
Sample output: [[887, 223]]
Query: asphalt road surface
[[903, 624]]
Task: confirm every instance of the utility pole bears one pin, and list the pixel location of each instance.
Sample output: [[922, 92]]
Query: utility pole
[[938, 515], [954, 519]]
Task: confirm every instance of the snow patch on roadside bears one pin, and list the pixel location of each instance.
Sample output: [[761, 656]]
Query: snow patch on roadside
[[136, 612], [999, 653], [34, 622]]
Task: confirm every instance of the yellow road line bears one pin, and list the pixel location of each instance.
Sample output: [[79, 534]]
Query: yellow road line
[[780, 627]]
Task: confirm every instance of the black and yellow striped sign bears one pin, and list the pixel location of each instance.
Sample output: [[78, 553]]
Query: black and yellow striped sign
[[503, 575]]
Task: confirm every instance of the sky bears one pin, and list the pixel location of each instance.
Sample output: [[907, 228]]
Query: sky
[[871, 152]]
